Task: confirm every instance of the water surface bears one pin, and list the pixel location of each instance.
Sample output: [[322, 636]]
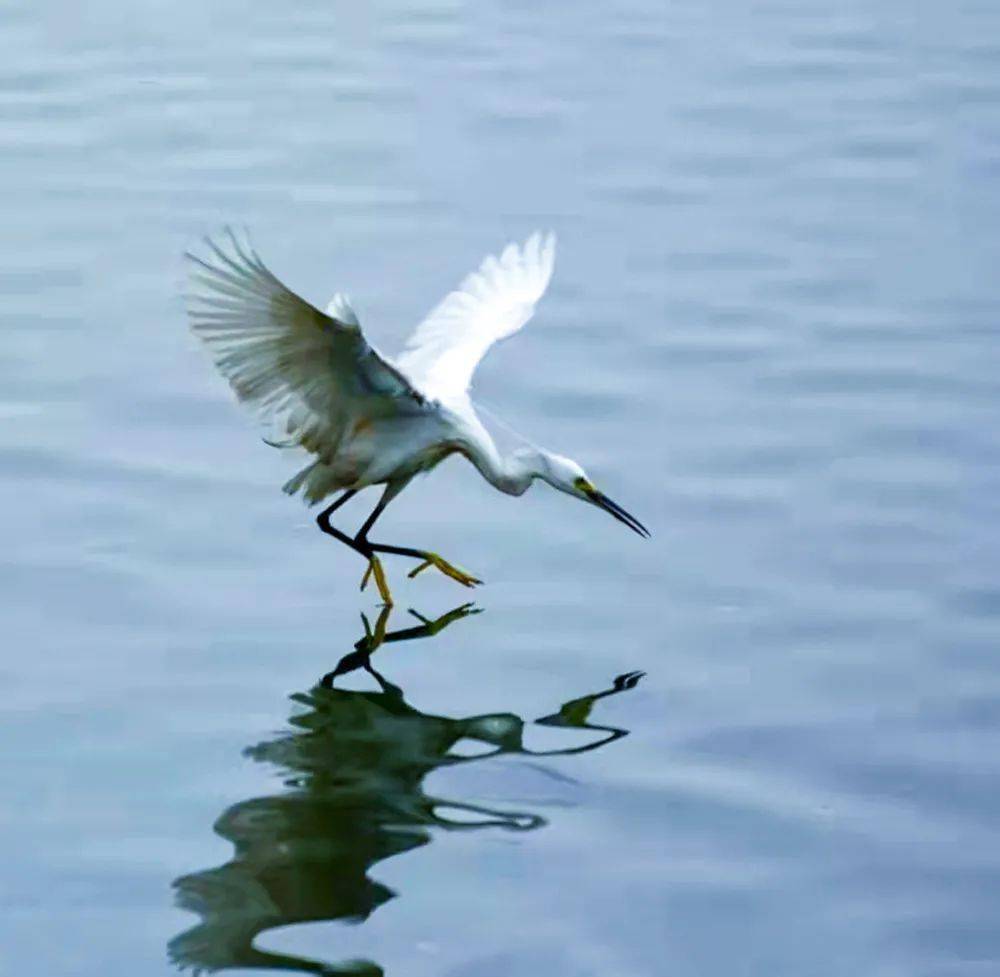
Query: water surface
[[771, 334]]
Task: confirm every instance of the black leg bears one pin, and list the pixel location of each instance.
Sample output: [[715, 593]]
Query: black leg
[[428, 559], [323, 521], [361, 544], [392, 489], [362, 536], [398, 550]]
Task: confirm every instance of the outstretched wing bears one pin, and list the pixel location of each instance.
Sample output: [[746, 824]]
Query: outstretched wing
[[490, 304], [310, 373]]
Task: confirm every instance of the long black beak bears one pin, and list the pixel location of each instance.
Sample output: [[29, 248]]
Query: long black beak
[[599, 498]]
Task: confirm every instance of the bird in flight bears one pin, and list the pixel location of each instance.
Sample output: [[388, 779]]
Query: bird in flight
[[367, 419]]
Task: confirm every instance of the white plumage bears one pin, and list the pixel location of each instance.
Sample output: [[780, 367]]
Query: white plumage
[[491, 304], [339, 307], [310, 375], [313, 376]]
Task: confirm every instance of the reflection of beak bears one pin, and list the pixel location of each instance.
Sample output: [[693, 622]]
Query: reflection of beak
[[600, 499]]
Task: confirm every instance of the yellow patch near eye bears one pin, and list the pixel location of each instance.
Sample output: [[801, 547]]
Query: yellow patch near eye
[[584, 486]]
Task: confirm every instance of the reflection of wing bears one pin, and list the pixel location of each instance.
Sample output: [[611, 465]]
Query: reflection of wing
[[489, 305], [312, 373]]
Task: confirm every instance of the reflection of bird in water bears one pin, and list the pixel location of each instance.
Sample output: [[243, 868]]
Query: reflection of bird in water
[[369, 421], [354, 765]]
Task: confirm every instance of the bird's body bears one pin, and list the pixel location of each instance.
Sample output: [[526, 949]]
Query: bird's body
[[366, 419], [377, 450]]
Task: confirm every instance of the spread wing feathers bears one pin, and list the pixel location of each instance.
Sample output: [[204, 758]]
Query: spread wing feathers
[[309, 373], [490, 304], [339, 308]]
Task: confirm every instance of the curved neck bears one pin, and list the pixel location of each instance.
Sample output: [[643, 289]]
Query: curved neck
[[512, 473]]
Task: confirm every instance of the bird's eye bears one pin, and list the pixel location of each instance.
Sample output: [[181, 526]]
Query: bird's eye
[[583, 485]]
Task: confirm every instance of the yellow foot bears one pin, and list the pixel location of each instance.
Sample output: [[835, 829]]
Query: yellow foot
[[433, 560], [433, 627], [375, 570]]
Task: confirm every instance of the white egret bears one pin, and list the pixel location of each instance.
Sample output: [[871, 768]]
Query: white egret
[[367, 419]]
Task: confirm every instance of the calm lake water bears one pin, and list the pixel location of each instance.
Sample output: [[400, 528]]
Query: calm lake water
[[772, 334]]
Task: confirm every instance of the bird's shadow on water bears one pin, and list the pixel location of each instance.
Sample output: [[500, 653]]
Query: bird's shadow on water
[[353, 765]]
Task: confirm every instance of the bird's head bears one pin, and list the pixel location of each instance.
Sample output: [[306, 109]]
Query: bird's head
[[566, 475]]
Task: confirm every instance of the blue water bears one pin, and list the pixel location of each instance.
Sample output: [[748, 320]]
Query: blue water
[[772, 334]]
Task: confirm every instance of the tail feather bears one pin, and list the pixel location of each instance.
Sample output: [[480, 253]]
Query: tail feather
[[315, 482]]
